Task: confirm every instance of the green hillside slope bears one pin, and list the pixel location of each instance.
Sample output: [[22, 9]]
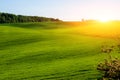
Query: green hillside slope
[[49, 51]]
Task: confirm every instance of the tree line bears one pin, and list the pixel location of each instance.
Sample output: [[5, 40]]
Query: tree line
[[12, 18]]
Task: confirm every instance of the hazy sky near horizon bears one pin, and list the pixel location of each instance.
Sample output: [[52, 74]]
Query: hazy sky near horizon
[[68, 10]]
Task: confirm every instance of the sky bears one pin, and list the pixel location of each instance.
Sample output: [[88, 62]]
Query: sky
[[67, 10]]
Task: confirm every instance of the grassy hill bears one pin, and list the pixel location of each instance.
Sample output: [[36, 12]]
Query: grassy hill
[[54, 50]]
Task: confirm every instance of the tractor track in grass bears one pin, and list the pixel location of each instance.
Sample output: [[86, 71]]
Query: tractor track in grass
[[7, 44], [57, 76], [45, 56]]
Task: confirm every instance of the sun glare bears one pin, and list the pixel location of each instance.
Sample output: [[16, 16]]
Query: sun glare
[[104, 20]]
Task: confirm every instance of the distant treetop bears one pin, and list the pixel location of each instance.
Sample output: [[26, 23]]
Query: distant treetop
[[12, 18]]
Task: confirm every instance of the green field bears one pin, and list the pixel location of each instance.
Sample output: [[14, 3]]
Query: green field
[[53, 50]]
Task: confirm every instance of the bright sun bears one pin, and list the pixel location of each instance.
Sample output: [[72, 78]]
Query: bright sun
[[104, 20]]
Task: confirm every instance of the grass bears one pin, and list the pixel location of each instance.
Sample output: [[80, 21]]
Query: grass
[[51, 51]]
